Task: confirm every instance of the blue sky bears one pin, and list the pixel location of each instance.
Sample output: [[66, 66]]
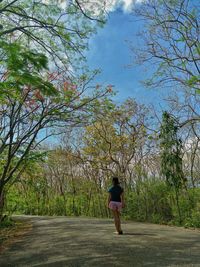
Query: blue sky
[[110, 52]]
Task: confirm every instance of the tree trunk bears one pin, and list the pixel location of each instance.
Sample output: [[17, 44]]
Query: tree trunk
[[178, 206], [2, 202]]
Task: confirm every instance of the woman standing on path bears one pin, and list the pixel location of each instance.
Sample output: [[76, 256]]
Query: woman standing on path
[[116, 202]]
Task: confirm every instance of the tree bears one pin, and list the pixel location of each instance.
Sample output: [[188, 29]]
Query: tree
[[116, 142], [171, 157], [185, 108], [36, 103], [170, 40], [58, 28], [31, 103]]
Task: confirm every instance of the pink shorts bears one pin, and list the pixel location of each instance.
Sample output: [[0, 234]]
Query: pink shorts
[[113, 205]]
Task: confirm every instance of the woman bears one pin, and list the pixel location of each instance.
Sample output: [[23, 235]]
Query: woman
[[116, 202]]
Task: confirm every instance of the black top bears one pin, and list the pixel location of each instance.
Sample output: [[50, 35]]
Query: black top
[[116, 192]]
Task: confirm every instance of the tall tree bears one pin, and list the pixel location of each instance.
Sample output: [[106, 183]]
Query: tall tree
[[33, 102], [171, 156]]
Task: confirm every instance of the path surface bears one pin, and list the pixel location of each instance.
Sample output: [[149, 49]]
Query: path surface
[[80, 242]]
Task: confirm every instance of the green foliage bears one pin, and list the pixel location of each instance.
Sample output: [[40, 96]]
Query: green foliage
[[32, 98], [149, 202], [193, 221], [193, 80], [23, 68], [171, 156], [171, 145], [57, 206], [7, 222], [59, 30]]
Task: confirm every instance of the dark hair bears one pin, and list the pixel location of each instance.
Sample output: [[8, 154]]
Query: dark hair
[[115, 180]]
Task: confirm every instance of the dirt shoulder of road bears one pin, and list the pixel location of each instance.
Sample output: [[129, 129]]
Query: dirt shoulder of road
[[12, 234]]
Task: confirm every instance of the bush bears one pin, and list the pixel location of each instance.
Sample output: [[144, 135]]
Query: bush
[[149, 202], [6, 222]]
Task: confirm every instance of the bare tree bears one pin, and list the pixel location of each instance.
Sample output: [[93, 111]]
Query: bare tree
[[171, 41]]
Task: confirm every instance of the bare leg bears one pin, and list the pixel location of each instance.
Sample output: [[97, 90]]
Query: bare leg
[[119, 221], [116, 216]]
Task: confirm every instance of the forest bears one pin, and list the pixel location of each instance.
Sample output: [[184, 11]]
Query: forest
[[63, 136]]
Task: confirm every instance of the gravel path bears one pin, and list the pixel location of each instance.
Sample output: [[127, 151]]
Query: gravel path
[[83, 242]]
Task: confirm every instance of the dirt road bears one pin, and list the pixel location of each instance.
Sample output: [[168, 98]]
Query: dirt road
[[83, 242]]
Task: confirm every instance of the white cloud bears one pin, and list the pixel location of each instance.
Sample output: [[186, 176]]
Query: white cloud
[[126, 5], [109, 5], [97, 5], [129, 4]]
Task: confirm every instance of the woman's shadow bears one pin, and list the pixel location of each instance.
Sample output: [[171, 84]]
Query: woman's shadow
[[141, 234]]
